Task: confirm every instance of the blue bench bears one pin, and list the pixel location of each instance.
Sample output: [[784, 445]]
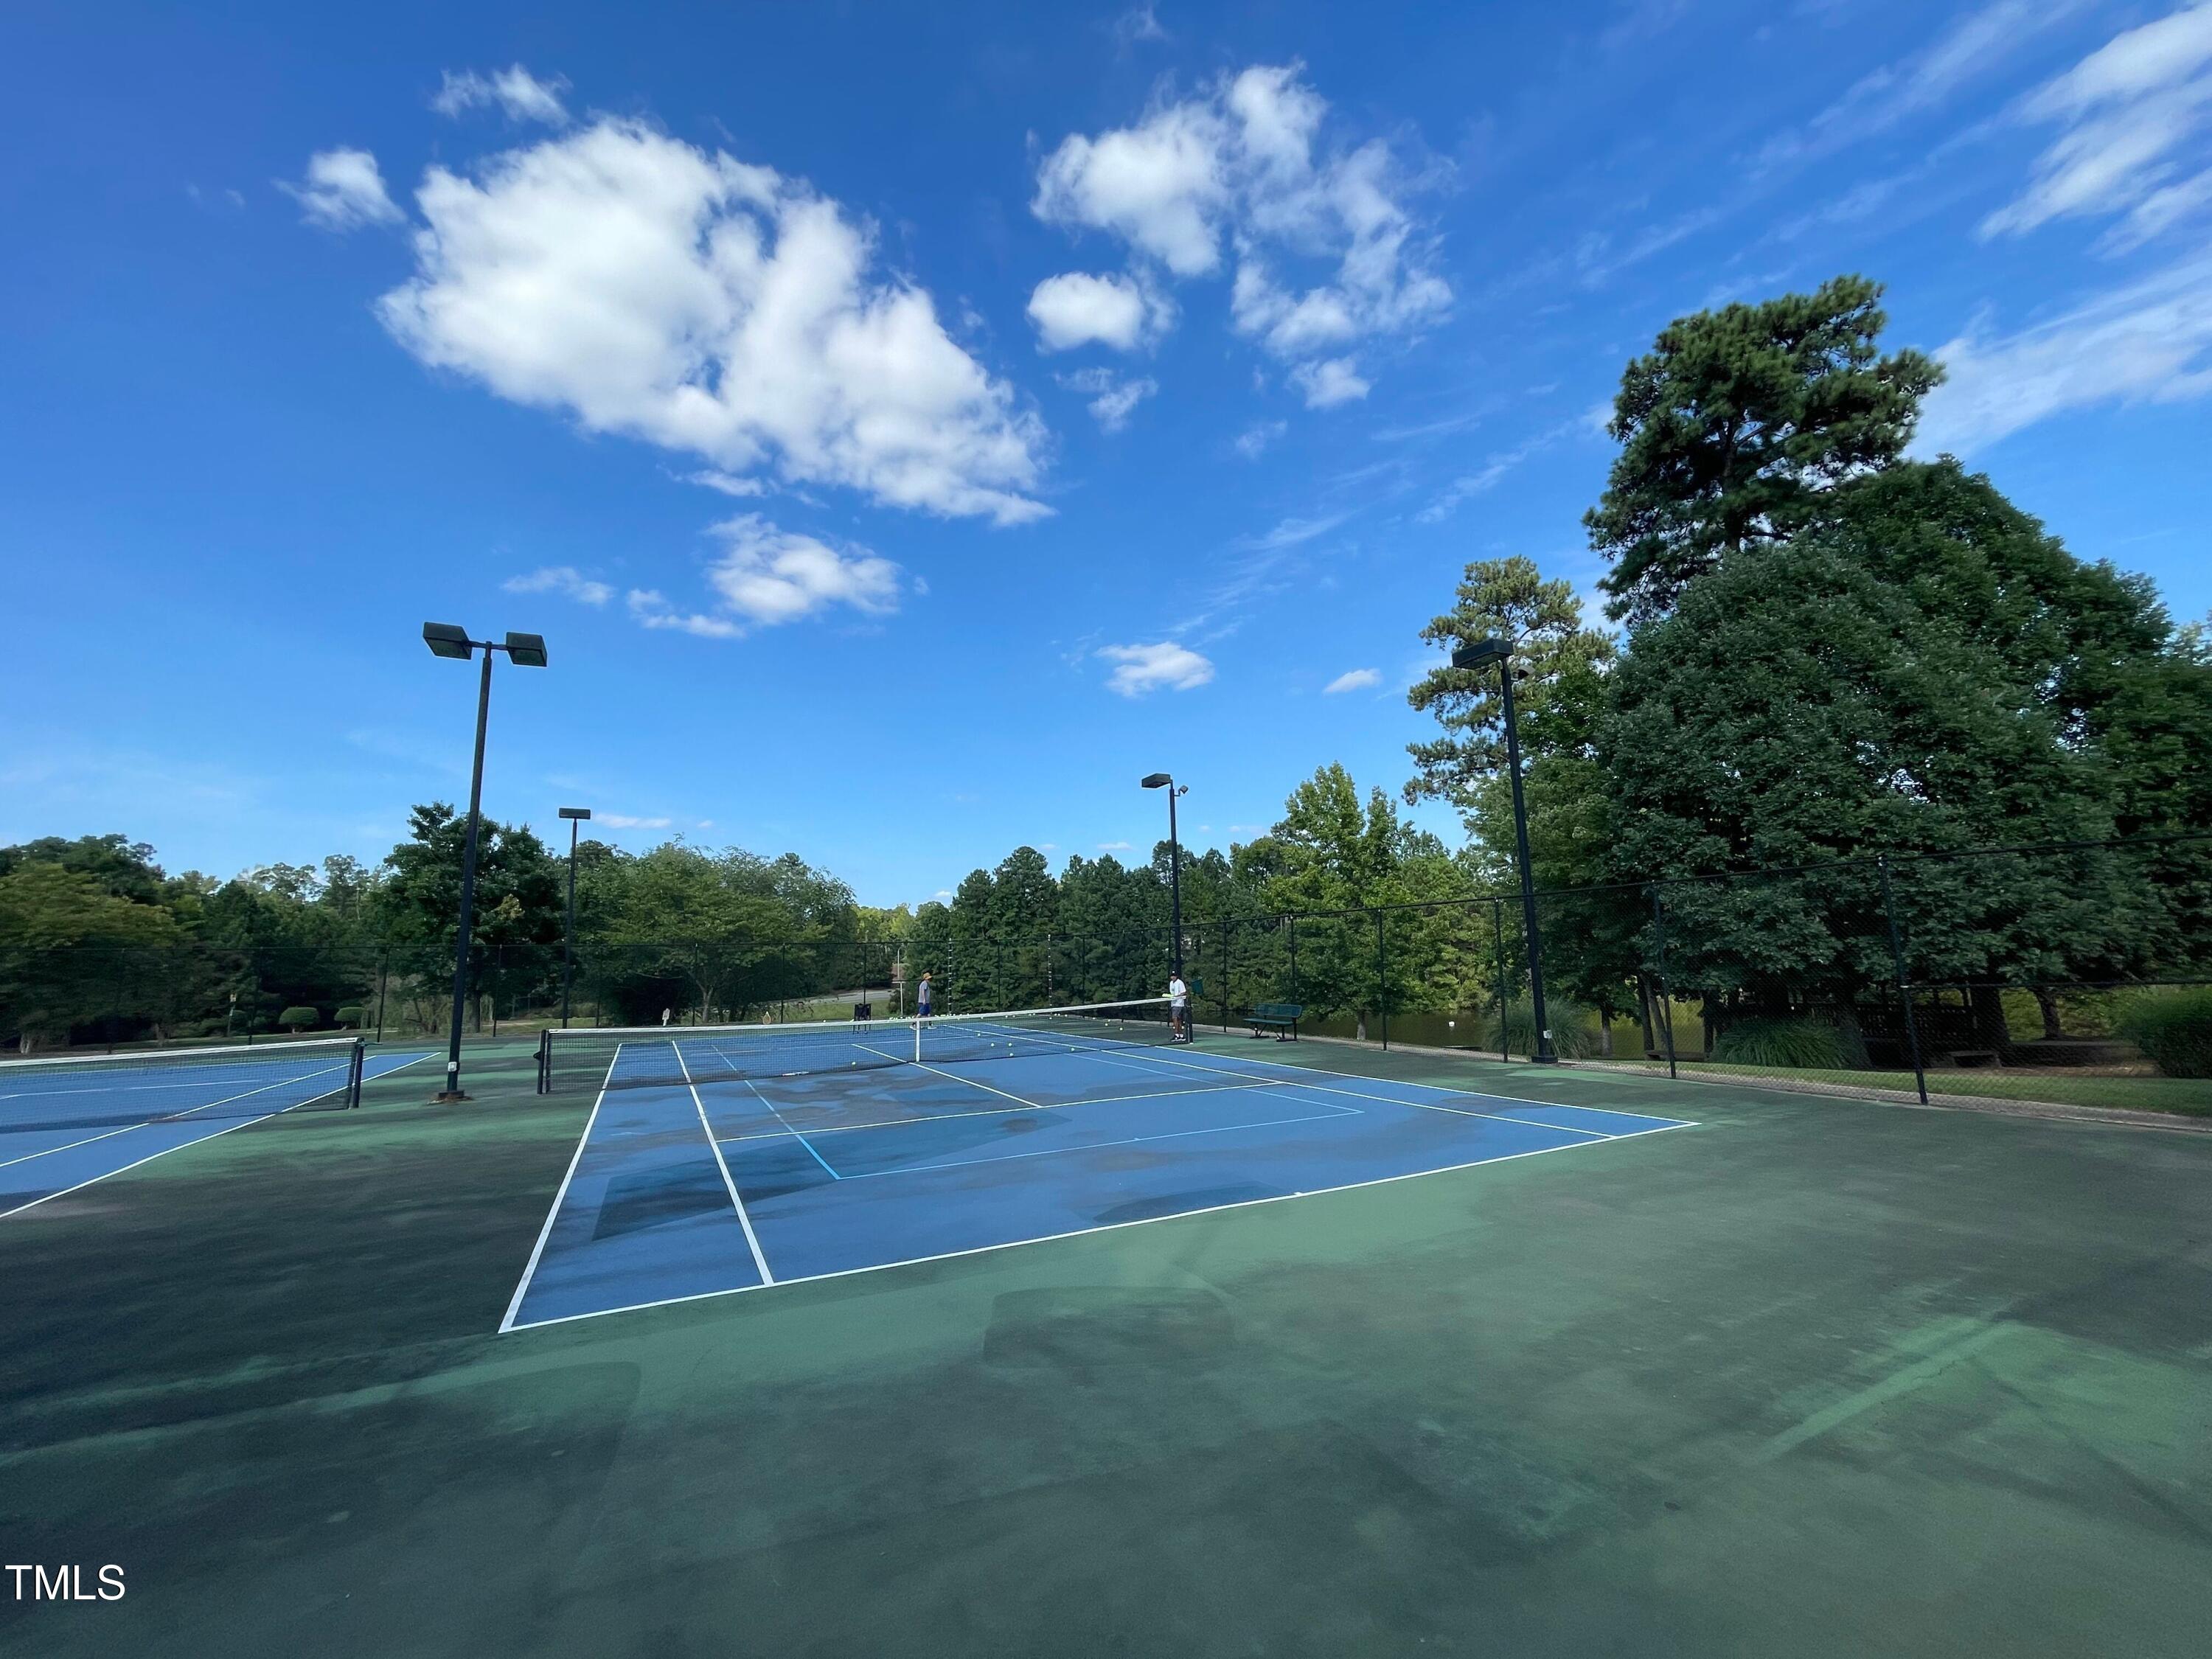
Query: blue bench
[[1281, 1018]]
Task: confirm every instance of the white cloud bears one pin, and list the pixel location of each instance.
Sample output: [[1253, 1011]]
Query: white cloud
[[1114, 846], [343, 189], [1291, 533], [1248, 829], [514, 89], [1970, 47], [766, 576], [711, 308], [728, 482], [1146, 668], [1253, 442], [2150, 342], [1591, 423], [1138, 24], [1235, 170], [1356, 679], [624, 821], [1335, 380], [1111, 398], [562, 579], [2127, 107], [1078, 308]]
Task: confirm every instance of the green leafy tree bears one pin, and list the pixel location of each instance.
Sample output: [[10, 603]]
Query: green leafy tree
[[716, 923], [417, 907], [1737, 423], [1801, 709], [1024, 913], [1561, 691], [75, 956], [1113, 926]]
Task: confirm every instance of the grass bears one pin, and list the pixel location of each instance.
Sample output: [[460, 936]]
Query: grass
[[2055, 1085]]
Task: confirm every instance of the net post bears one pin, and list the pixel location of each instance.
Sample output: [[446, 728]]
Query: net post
[[1225, 926], [356, 1064], [1383, 975], [545, 1061]]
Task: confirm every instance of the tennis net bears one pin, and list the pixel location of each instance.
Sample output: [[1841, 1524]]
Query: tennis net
[[631, 1057], [305, 1070]]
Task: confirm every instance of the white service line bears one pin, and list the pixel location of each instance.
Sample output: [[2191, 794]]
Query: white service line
[[957, 1078], [1082, 1232], [1098, 1145], [721, 1164], [997, 1111]]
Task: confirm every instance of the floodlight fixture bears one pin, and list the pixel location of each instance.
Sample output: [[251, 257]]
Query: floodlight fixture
[[446, 640], [525, 650], [1481, 654]]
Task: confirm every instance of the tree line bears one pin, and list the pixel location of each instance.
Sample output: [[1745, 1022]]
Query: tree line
[[1825, 655]]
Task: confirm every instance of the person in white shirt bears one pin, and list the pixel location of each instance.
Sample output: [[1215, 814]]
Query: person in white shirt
[[1178, 1009]]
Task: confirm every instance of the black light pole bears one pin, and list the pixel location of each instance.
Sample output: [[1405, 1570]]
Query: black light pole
[[576, 815], [1481, 655], [524, 651], [1162, 781]]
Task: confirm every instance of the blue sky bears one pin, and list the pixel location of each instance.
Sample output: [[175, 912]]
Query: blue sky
[[909, 424]]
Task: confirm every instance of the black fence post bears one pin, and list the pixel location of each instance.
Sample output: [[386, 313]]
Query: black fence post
[[1225, 926], [1497, 925], [383, 978], [1293, 923], [1904, 986], [1382, 974], [1665, 1011]]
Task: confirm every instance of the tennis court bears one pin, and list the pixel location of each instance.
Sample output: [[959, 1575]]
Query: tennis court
[[68, 1122], [737, 1159]]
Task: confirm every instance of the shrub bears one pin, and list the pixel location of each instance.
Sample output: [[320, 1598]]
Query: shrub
[[1806, 1045], [299, 1019], [353, 1016], [2173, 1028], [1574, 1029]]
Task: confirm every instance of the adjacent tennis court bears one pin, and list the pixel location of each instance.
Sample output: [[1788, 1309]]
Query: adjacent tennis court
[[68, 1121], [734, 1158]]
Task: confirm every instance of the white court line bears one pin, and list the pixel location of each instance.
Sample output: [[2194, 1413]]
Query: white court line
[[173, 1117], [196, 1140], [530, 1270], [999, 1111], [1108, 1227], [1299, 1072], [789, 1129], [1099, 1145], [721, 1164], [957, 1078]]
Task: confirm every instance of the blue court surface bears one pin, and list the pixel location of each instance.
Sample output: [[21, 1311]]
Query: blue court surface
[[679, 1190], [65, 1126]]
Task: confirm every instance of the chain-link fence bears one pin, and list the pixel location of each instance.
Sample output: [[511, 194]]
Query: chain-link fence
[[2072, 973]]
